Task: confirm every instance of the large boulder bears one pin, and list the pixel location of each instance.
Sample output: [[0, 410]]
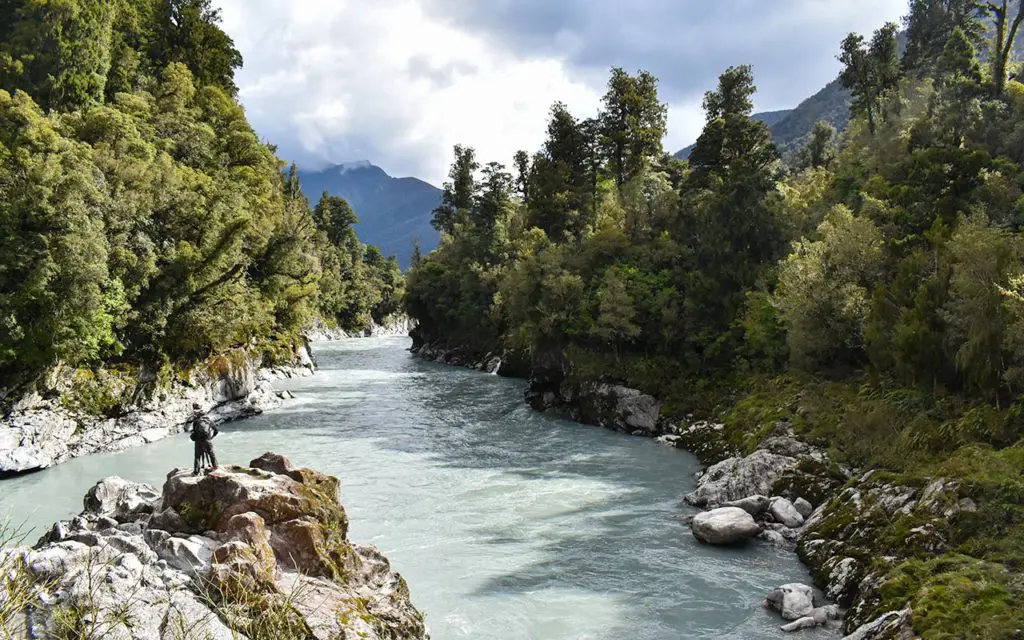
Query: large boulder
[[209, 502], [725, 525], [784, 512], [615, 407], [736, 478], [121, 499], [274, 552], [803, 507]]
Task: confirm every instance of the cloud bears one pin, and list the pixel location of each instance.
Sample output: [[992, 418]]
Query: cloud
[[401, 81], [338, 81]]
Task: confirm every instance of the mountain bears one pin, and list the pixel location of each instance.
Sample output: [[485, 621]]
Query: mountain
[[392, 211], [770, 118]]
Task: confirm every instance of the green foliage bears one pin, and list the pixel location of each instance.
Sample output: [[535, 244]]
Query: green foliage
[[141, 218], [870, 71], [632, 124], [872, 296], [823, 294], [956, 597]]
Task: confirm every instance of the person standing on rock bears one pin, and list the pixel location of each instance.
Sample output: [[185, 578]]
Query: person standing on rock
[[203, 431]]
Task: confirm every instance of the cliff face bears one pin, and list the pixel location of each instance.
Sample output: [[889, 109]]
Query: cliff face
[[258, 552], [46, 427]]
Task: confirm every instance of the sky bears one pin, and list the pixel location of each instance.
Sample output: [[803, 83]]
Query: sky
[[399, 82]]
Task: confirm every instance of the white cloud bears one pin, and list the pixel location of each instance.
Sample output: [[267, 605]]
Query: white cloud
[[341, 81], [332, 81]]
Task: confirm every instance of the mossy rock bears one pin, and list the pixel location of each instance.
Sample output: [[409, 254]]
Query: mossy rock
[[953, 597], [200, 515]]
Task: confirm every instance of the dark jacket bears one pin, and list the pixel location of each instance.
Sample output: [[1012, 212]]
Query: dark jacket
[[202, 428]]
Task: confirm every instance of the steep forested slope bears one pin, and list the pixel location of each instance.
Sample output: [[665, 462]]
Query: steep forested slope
[[394, 213], [142, 221]]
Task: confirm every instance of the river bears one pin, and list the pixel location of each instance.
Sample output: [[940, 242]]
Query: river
[[507, 524]]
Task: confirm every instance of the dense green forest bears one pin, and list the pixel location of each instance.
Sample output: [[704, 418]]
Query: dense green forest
[[872, 291], [142, 221]]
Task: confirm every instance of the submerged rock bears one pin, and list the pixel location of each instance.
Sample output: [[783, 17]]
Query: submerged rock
[[725, 525], [273, 540], [793, 601], [819, 617]]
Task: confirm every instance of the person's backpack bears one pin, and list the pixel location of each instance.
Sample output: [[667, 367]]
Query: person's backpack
[[200, 429]]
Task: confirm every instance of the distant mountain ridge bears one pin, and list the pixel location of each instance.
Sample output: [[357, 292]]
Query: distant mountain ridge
[[393, 212]]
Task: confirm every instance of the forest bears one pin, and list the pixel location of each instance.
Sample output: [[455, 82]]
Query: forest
[[869, 287], [892, 250], [142, 220]]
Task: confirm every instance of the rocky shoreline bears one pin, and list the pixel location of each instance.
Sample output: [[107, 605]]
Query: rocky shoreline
[[42, 430], [243, 552], [399, 326], [785, 493]]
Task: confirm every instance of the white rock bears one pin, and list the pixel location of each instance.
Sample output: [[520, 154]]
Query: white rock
[[737, 478], [154, 434], [793, 601], [668, 440], [878, 628], [754, 505], [121, 499], [783, 511], [191, 555], [840, 578], [806, 622], [725, 525], [774, 538], [804, 507]]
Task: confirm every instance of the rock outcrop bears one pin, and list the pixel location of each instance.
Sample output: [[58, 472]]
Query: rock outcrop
[[43, 428], [602, 404], [853, 542], [724, 526], [239, 553], [738, 478]]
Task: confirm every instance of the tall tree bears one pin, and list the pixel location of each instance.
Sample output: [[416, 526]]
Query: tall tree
[[560, 183], [871, 71], [929, 25], [724, 216], [59, 52], [1007, 16], [188, 31], [820, 150], [494, 199], [459, 191], [633, 123], [522, 179], [417, 254], [335, 217]]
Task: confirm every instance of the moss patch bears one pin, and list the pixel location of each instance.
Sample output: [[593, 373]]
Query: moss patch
[[202, 515], [957, 596]]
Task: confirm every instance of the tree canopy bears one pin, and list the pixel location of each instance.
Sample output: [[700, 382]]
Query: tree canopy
[[142, 221]]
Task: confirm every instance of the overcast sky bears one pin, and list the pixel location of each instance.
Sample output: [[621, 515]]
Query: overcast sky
[[398, 82]]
